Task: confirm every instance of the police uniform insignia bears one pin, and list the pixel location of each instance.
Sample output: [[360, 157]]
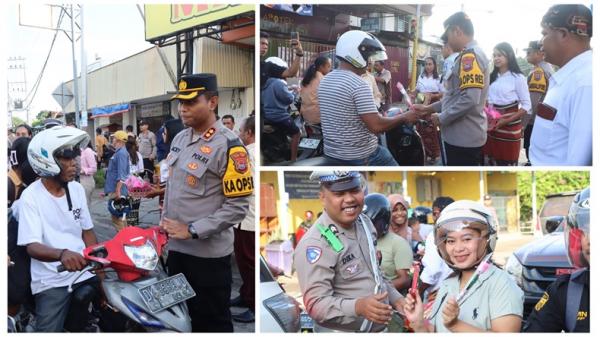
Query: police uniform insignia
[[192, 166], [333, 229], [240, 161], [538, 81], [352, 269], [191, 180], [313, 254], [182, 85], [470, 74], [205, 149], [540, 304], [209, 133], [467, 63], [237, 181]]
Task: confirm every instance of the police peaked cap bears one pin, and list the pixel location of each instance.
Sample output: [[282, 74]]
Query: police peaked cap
[[190, 86]]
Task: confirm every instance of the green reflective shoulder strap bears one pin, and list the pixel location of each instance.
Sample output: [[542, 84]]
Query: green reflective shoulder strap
[[331, 238]]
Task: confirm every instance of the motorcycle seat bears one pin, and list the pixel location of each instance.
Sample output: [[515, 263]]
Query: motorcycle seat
[[318, 161]]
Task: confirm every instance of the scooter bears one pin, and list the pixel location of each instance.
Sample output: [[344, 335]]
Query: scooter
[[405, 144], [142, 291]]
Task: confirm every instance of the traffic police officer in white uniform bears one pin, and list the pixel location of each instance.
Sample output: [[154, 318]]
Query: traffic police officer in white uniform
[[337, 264], [207, 193]]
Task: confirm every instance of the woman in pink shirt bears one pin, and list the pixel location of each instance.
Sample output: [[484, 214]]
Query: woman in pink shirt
[[310, 86], [88, 169]]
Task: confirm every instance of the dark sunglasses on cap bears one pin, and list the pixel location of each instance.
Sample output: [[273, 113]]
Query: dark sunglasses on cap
[[68, 153]]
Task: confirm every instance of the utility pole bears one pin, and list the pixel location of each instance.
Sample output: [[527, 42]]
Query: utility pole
[[413, 71], [16, 86], [75, 86], [84, 115]]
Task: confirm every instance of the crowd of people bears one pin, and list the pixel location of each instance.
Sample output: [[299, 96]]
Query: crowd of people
[[361, 268], [200, 168], [476, 111]]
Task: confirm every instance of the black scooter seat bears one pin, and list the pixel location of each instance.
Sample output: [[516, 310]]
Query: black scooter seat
[[318, 161]]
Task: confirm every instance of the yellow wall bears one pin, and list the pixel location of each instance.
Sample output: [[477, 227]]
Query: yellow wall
[[504, 182]]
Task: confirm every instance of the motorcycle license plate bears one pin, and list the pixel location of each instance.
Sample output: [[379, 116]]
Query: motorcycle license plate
[[166, 293], [309, 143], [306, 323]]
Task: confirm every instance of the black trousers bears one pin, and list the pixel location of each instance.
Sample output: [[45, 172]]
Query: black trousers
[[527, 139], [211, 280], [149, 167], [463, 156]]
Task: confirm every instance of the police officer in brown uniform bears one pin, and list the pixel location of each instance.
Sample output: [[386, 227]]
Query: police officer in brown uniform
[[537, 81], [460, 113], [338, 269], [207, 193]]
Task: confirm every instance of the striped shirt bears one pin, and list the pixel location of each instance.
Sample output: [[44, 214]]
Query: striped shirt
[[343, 96]]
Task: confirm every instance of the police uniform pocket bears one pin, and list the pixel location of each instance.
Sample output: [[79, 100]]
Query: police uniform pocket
[[195, 179]]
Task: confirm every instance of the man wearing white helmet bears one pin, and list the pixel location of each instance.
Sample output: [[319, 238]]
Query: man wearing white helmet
[[55, 226], [349, 117], [478, 296], [338, 271], [276, 99]]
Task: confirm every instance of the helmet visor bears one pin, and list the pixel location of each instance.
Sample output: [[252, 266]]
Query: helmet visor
[[379, 55]]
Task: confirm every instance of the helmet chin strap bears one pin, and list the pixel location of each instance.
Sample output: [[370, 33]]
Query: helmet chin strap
[[65, 185]]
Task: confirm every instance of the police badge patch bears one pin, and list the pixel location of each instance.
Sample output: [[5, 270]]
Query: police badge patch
[[313, 254], [467, 63], [240, 161]]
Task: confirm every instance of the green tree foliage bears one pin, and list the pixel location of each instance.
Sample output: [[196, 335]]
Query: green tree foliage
[[548, 182], [16, 121]]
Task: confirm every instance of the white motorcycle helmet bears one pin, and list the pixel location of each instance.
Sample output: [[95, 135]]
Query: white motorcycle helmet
[[61, 141], [463, 214], [357, 47]]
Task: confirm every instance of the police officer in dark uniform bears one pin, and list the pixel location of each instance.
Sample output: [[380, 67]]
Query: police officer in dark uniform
[[207, 193], [565, 306]]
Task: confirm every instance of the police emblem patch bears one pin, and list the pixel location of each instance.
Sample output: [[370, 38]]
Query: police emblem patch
[[352, 269], [209, 133], [191, 180], [192, 166], [240, 161], [182, 85], [537, 76], [333, 229], [467, 62], [313, 254], [205, 149]]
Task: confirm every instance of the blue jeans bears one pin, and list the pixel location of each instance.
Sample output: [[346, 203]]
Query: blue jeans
[[381, 157], [55, 305]]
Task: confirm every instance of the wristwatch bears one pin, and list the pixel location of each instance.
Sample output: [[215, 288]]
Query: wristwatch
[[192, 231]]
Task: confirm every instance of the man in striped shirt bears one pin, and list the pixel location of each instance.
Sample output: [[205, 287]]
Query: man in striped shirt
[[349, 117]]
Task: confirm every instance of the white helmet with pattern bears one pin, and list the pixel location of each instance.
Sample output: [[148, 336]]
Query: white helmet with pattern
[[58, 141], [357, 47], [463, 214]]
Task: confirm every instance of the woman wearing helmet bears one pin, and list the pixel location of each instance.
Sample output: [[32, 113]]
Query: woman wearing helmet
[[276, 99], [478, 296], [349, 117], [55, 225], [396, 256], [565, 306]]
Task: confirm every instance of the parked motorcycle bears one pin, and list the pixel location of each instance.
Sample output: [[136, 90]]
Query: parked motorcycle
[[312, 145], [141, 290], [405, 144]]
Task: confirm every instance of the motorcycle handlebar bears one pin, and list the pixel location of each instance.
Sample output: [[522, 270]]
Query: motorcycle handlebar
[[92, 264]]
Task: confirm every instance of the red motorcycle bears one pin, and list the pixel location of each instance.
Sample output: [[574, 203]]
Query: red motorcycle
[[141, 289]]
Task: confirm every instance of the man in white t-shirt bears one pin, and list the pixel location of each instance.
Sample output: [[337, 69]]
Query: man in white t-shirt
[[55, 226]]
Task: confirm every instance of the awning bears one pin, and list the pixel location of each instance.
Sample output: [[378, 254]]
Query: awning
[[111, 110], [153, 99]]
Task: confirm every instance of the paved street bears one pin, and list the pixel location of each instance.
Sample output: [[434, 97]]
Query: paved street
[[149, 215]]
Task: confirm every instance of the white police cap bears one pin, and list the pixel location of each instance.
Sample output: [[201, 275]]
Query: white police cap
[[337, 181]]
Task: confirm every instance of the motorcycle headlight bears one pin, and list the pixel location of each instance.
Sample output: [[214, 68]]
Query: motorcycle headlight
[[285, 310], [515, 269], [144, 256]]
